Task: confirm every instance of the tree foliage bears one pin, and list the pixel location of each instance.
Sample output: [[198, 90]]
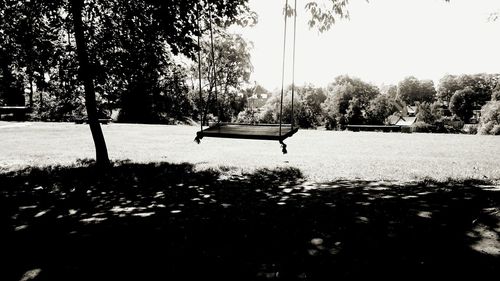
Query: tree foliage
[[425, 113], [324, 16], [447, 86], [306, 113], [379, 109], [347, 101], [29, 46], [179, 19], [495, 96], [225, 75], [490, 119], [483, 86], [461, 104], [412, 90]]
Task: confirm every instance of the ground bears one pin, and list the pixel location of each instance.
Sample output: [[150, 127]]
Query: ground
[[320, 155], [339, 206]]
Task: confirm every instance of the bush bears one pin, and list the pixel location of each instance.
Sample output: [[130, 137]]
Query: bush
[[421, 127], [495, 130], [495, 96], [470, 129], [247, 116], [267, 116], [489, 123], [330, 123]]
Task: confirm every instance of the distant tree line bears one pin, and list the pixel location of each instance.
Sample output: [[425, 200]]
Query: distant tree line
[[349, 100]]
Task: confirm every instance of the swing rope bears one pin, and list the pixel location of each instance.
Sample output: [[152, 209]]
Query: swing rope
[[199, 66], [283, 67], [293, 59], [293, 65], [214, 69]]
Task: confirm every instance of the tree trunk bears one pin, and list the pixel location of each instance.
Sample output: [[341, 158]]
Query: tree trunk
[[40, 97], [102, 159], [30, 50], [31, 88]]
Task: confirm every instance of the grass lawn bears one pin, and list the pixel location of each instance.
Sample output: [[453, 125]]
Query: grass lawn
[[320, 155], [240, 210]]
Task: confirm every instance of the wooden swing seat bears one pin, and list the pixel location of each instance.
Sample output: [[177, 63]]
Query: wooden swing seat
[[248, 131]]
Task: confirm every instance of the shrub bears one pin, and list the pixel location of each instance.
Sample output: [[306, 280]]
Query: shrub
[[495, 130], [247, 116], [421, 127], [266, 116], [470, 129], [495, 96], [489, 123]]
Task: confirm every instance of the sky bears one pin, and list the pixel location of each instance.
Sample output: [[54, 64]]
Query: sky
[[383, 42]]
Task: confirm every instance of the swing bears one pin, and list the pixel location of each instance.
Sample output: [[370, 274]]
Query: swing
[[276, 132]]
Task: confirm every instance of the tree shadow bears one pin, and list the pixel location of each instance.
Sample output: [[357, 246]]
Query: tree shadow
[[169, 221]]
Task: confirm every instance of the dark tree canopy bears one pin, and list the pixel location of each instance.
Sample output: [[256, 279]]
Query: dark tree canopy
[[461, 104], [178, 19]]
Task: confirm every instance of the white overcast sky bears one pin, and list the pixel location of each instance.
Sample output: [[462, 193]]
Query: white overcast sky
[[383, 42]]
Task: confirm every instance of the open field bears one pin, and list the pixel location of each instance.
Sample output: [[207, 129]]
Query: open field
[[320, 155]]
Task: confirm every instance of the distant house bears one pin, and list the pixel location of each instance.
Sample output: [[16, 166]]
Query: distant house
[[393, 119], [406, 121], [401, 121], [257, 101], [405, 110], [407, 115], [411, 110]]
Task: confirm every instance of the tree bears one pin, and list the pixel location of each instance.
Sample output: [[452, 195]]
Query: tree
[[354, 113], [424, 113], [134, 67], [412, 90], [224, 75], [447, 86], [362, 90], [179, 19], [102, 159], [483, 86], [336, 105], [11, 93], [313, 98], [391, 91], [489, 123], [437, 110], [10, 79], [323, 17], [30, 37], [303, 113], [379, 109], [339, 95], [461, 104]]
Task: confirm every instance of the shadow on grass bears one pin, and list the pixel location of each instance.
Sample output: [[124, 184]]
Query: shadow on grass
[[170, 222]]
